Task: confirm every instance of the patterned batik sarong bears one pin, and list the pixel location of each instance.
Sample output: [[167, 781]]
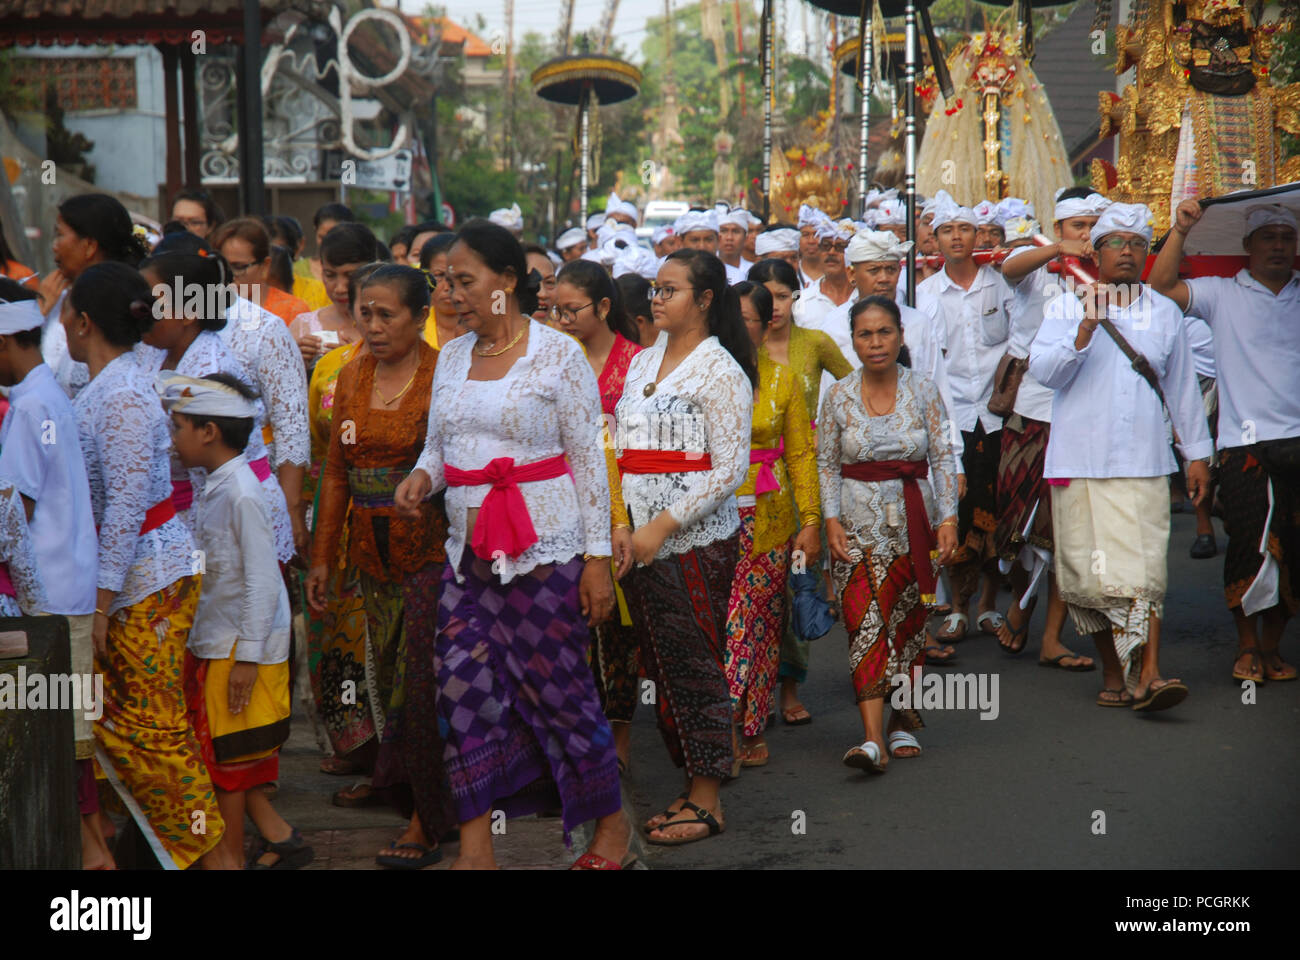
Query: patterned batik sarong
[[977, 511], [1112, 546], [1243, 491], [147, 748], [522, 719], [1024, 498], [884, 617], [682, 602], [616, 666], [755, 618], [409, 766]]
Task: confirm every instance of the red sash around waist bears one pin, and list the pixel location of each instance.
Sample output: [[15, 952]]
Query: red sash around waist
[[183, 490], [663, 461], [6, 585], [503, 521], [156, 515], [919, 534], [261, 468]]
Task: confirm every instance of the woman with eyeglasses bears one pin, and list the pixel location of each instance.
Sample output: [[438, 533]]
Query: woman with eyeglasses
[[515, 438], [809, 354], [774, 527], [683, 429], [345, 248], [443, 325], [247, 248], [589, 307]]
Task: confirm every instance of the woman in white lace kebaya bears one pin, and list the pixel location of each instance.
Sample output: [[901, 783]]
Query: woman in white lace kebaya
[[887, 475], [683, 434], [514, 436], [184, 339], [148, 573]]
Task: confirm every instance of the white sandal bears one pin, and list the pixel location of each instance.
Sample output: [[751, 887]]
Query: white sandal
[[950, 623], [996, 618], [901, 738], [865, 757]]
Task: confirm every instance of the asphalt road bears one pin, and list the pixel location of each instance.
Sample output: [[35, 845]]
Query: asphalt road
[[1212, 783]]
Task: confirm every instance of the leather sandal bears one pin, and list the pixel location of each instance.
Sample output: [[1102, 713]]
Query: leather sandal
[[701, 816]]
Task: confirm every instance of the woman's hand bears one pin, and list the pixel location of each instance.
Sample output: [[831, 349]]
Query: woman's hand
[[309, 346], [620, 539], [316, 593], [242, 677], [411, 492], [961, 486], [596, 591], [647, 540], [809, 541], [301, 538], [946, 536], [837, 540]]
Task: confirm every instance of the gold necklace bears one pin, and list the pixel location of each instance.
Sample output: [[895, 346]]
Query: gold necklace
[[400, 393], [496, 353]]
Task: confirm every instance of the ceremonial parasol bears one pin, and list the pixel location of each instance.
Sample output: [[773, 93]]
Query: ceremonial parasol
[[1222, 226], [581, 80]]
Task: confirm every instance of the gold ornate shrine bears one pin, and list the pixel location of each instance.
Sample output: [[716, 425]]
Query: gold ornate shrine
[[1202, 117], [998, 136]]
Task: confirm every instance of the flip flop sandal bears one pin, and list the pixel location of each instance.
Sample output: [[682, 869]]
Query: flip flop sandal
[[798, 721], [901, 738], [1256, 660], [594, 861], [1281, 675], [865, 757], [666, 813], [339, 767], [701, 816], [993, 617], [747, 759], [1163, 697], [294, 853], [428, 857], [1073, 668], [951, 623], [367, 799], [942, 657], [1124, 698]]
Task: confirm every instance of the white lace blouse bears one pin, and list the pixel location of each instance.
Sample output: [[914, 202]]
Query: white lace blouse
[[547, 404], [706, 405], [262, 343], [208, 354], [126, 443], [19, 553], [873, 513]]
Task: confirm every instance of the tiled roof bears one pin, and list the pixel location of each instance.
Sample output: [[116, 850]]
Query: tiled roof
[[1072, 75], [453, 33]]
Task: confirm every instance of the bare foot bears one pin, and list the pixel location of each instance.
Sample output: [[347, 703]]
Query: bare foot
[[613, 838]]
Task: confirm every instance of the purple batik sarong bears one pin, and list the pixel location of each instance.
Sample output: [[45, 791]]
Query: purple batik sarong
[[522, 719]]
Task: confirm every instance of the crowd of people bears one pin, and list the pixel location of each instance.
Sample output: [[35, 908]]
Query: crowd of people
[[485, 492]]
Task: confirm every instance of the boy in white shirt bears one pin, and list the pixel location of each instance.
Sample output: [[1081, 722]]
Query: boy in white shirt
[[236, 662]]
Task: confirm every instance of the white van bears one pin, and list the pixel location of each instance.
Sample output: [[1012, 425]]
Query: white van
[[660, 213]]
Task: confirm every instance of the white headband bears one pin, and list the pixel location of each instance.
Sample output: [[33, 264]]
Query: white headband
[[1090, 206], [1124, 218], [635, 259], [837, 230], [696, 220], [1267, 216], [1021, 228], [19, 315], [660, 235], [947, 210], [774, 241], [986, 214], [595, 220], [570, 238], [1013, 208], [511, 219], [203, 398], [737, 217], [869, 245]]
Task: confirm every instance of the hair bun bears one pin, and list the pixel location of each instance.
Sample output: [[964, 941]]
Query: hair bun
[[142, 311], [533, 282]]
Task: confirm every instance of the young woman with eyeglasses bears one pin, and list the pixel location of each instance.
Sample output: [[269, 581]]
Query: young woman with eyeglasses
[[683, 429], [247, 248]]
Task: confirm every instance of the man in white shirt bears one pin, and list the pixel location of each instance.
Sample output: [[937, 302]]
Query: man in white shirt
[[1024, 534], [1108, 456], [834, 288], [698, 230], [970, 304], [733, 227], [778, 243], [1255, 318]]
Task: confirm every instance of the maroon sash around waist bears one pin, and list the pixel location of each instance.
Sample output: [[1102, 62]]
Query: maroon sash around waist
[[920, 536]]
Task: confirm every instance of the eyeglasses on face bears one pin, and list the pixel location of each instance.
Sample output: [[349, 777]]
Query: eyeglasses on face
[[840, 245], [569, 316], [1137, 244], [238, 268], [193, 223], [664, 293]]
